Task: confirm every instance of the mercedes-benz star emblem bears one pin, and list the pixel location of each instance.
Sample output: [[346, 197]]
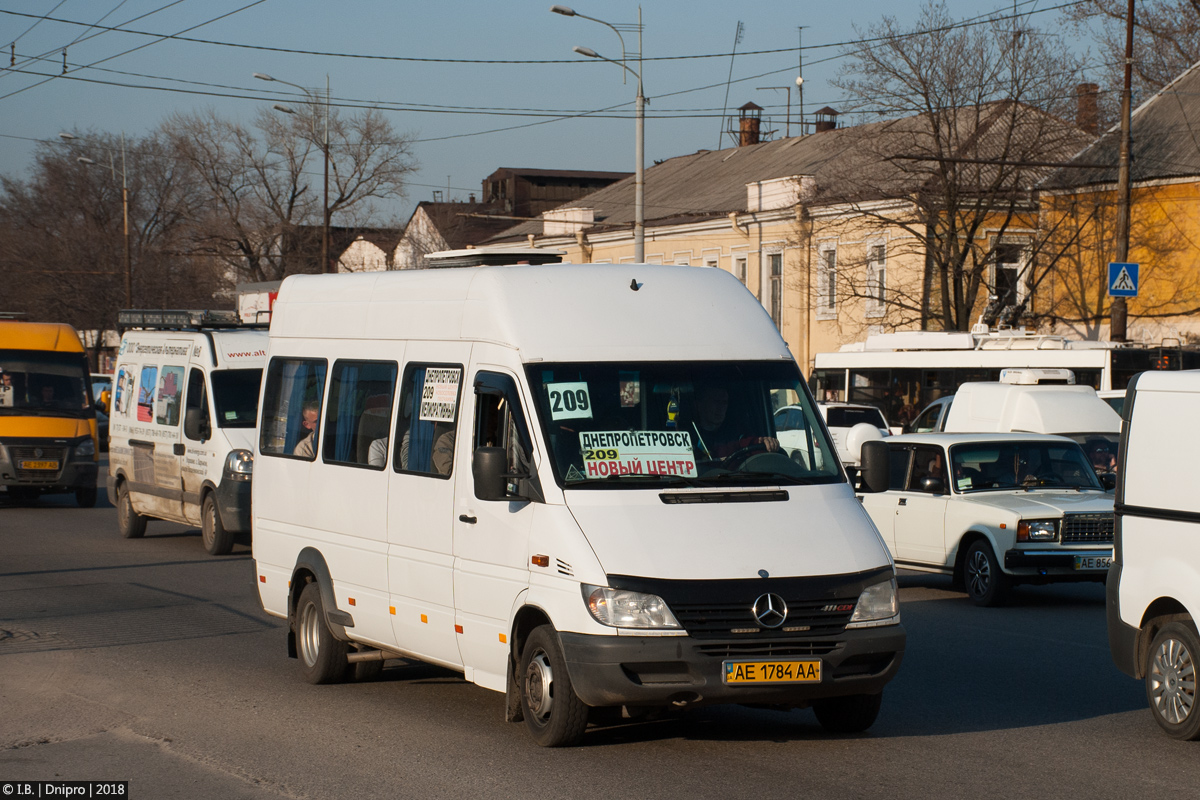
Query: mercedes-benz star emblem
[[770, 610]]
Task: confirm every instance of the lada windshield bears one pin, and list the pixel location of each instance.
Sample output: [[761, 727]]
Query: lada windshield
[[700, 423], [44, 383], [1021, 465], [236, 394]]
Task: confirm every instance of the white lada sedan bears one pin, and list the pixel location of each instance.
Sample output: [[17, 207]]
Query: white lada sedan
[[1011, 508]]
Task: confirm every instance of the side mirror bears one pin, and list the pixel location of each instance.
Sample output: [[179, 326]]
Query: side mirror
[[195, 425], [105, 400], [875, 466], [488, 467], [933, 485], [1108, 480]]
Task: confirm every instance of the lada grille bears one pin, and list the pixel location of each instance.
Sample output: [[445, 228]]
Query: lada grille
[[804, 619], [771, 649], [39, 453], [1087, 528]]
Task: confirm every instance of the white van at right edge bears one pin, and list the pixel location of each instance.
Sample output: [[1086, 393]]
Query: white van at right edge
[[1154, 581]]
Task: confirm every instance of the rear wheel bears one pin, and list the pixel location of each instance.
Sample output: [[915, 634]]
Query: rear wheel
[[322, 657], [131, 524], [554, 714], [85, 496], [217, 540], [1171, 680], [986, 585], [850, 714]]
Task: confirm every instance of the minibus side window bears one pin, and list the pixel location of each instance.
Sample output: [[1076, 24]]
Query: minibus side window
[[427, 420], [291, 409], [500, 423], [197, 398], [360, 413]]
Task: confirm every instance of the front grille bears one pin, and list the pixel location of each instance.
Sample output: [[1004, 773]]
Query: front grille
[[1087, 528], [804, 618], [767, 649], [20, 454]]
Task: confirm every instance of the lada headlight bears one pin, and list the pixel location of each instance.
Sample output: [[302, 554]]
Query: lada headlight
[[239, 465], [621, 609], [878, 604], [1037, 530]]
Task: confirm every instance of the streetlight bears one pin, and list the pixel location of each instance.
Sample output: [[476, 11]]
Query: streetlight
[[639, 184], [67, 137], [313, 98]]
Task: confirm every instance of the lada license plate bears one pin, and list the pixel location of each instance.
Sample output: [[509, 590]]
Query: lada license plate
[[37, 465], [1093, 562], [758, 672]]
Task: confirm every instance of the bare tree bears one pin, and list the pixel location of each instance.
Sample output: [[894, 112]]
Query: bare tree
[[263, 185], [973, 117], [1166, 40]]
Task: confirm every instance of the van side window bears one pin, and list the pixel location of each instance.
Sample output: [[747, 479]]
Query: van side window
[[898, 467], [499, 421], [428, 417], [292, 407], [170, 390], [122, 389], [145, 395], [197, 398], [360, 413]]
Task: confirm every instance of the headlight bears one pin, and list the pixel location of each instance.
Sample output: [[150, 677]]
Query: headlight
[[239, 464], [621, 609], [877, 605], [1045, 530], [86, 448]]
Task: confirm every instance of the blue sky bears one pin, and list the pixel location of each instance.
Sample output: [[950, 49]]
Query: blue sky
[[519, 30]]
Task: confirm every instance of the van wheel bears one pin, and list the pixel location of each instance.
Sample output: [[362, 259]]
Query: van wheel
[[1171, 680], [217, 540], [85, 496], [850, 714], [986, 584], [322, 657], [131, 524], [554, 714]]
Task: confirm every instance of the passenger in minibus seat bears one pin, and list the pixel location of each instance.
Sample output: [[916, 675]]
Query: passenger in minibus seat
[[309, 416]]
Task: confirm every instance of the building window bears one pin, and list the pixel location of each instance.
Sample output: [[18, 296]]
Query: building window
[[827, 283], [775, 269], [876, 280], [711, 262], [739, 269], [1008, 264]]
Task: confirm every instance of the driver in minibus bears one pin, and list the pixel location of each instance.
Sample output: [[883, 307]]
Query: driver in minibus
[[718, 436]]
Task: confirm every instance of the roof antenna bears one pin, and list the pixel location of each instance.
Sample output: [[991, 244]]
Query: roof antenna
[[633, 284]]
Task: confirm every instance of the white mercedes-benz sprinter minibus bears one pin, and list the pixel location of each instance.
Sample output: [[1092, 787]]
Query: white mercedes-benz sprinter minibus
[[563, 481], [1154, 581]]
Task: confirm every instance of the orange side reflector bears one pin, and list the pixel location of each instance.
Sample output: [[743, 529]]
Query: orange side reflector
[[503, 639], [262, 578], [392, 610], [351, 601], [424, 619], [1003, 524], [458, 628], [541, 561], [289, 584]]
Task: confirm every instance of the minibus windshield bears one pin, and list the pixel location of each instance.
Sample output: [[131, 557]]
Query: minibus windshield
[[697, 423], [1021, 465], [44, 383], [235, 392]]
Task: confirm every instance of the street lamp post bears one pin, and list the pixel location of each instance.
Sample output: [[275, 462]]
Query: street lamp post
[[66, 137], [639, 182], [313, 98]]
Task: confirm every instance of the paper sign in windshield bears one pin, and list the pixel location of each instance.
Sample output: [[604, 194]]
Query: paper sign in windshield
[[608, 453], [439, 396], [569, 400]]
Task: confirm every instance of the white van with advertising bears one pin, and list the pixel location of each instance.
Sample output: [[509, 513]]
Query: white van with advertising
[[1154, 582], [563, 481], [181, 429]]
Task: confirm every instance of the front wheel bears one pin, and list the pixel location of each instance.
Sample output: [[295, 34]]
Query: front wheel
[[1171, 680], [850, 714], [322, 657], [85, 496], [131, 524], [217, 540], [986, 584], [554, 714]]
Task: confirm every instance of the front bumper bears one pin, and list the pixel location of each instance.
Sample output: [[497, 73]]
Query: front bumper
[[683, 671], [73, 471], [1054, 563]]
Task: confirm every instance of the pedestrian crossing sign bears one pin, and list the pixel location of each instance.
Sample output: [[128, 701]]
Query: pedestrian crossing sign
[[1122, 279]]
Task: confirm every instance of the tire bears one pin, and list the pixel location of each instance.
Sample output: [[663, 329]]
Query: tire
[[986, 585], [1171, 680], [849, 714], [217, 541], [131, 524], [322, 657], [85, 496], [554, 714]]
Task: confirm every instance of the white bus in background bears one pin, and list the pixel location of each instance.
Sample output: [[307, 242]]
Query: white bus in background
[[901, 373]]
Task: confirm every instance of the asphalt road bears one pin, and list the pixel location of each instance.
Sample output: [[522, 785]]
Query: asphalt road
[[150, 661]]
